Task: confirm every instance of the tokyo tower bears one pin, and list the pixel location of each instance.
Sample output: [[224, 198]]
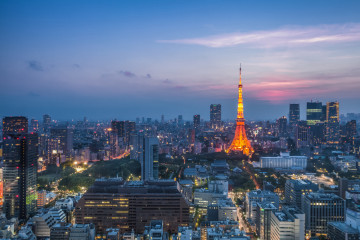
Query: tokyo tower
[[240, 142]]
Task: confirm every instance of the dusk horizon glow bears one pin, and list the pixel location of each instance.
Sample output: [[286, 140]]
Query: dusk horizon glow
[[132, 59]]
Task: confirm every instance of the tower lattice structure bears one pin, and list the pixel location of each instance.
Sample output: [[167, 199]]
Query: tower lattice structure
[[240, 142]]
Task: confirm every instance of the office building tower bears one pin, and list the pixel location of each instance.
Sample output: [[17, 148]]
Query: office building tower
[[215, 116], [118, 128], [196, 121], [321, 208], [20, 169], [257, 196], [294, 115], [351, 131], [323, 113], [288, 224], [162, 118], [313, 112], [263, 219], [317, 134], [132, 205], [180, 120], [332, 123], [46, 122], [130, 128], [34, 125], [282, 126], [302, 134], [14, 125], [295, 189], [61, 140], [136, 146], [347, 185], [342, 231], [150, 161]]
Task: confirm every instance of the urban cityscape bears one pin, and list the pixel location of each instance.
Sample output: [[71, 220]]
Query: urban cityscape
[[148, 162]]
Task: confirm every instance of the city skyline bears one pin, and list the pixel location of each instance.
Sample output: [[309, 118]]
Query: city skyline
[[126, 60]]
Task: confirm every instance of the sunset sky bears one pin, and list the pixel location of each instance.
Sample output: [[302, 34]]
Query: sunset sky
[[127, 59]]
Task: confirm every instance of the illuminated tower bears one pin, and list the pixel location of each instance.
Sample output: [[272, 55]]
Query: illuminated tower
[[240, 141]]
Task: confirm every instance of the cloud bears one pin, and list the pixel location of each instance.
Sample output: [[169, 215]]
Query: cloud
[[167, 81], [127, 74], [35, 65], [291, 35], [148, 75], [77, 66]]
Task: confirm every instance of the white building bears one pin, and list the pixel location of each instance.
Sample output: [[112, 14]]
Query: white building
[[284, 161], [288, 224]]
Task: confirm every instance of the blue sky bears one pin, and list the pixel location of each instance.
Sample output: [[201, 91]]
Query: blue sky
[[127, 59]]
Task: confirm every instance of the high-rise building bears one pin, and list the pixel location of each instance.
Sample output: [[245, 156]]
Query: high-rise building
[[302, 134], [46, 122], [256, 196], [136, 146], [196, 121], [294, 115], [288, 224], [321, 208], [342, 231], [150, 161], [20, 169], [34, 125], [313, 112], [332, 123], [295, 189], [215, 116], [282, 126], [240, 143], [132, 205], [351, 131], [14, 125], [180, 120], [263, 220], [61, 140]]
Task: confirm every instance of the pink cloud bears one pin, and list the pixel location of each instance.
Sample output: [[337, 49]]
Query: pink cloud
[[292, 35]]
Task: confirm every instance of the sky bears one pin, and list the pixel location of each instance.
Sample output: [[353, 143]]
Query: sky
[[128, 59]]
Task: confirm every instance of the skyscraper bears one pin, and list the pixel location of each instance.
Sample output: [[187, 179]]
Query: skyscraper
[[62, 140], [240, 142], [294, 115], [313, 112], [196, 121], [332, 123], [15, 125], [46, 122], [302, 134], [215, 116], [282, 126], [150, 161], [295, 189], [20, 166], [321, 208], [34, 125]]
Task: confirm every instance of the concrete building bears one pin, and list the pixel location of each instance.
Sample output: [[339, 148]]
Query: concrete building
[[284, 161], [256, 196], [82, 232], [132, 205], [288, 224], [321, 208], [263, 220], [342, 231], [150, 161], [295, 189]]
